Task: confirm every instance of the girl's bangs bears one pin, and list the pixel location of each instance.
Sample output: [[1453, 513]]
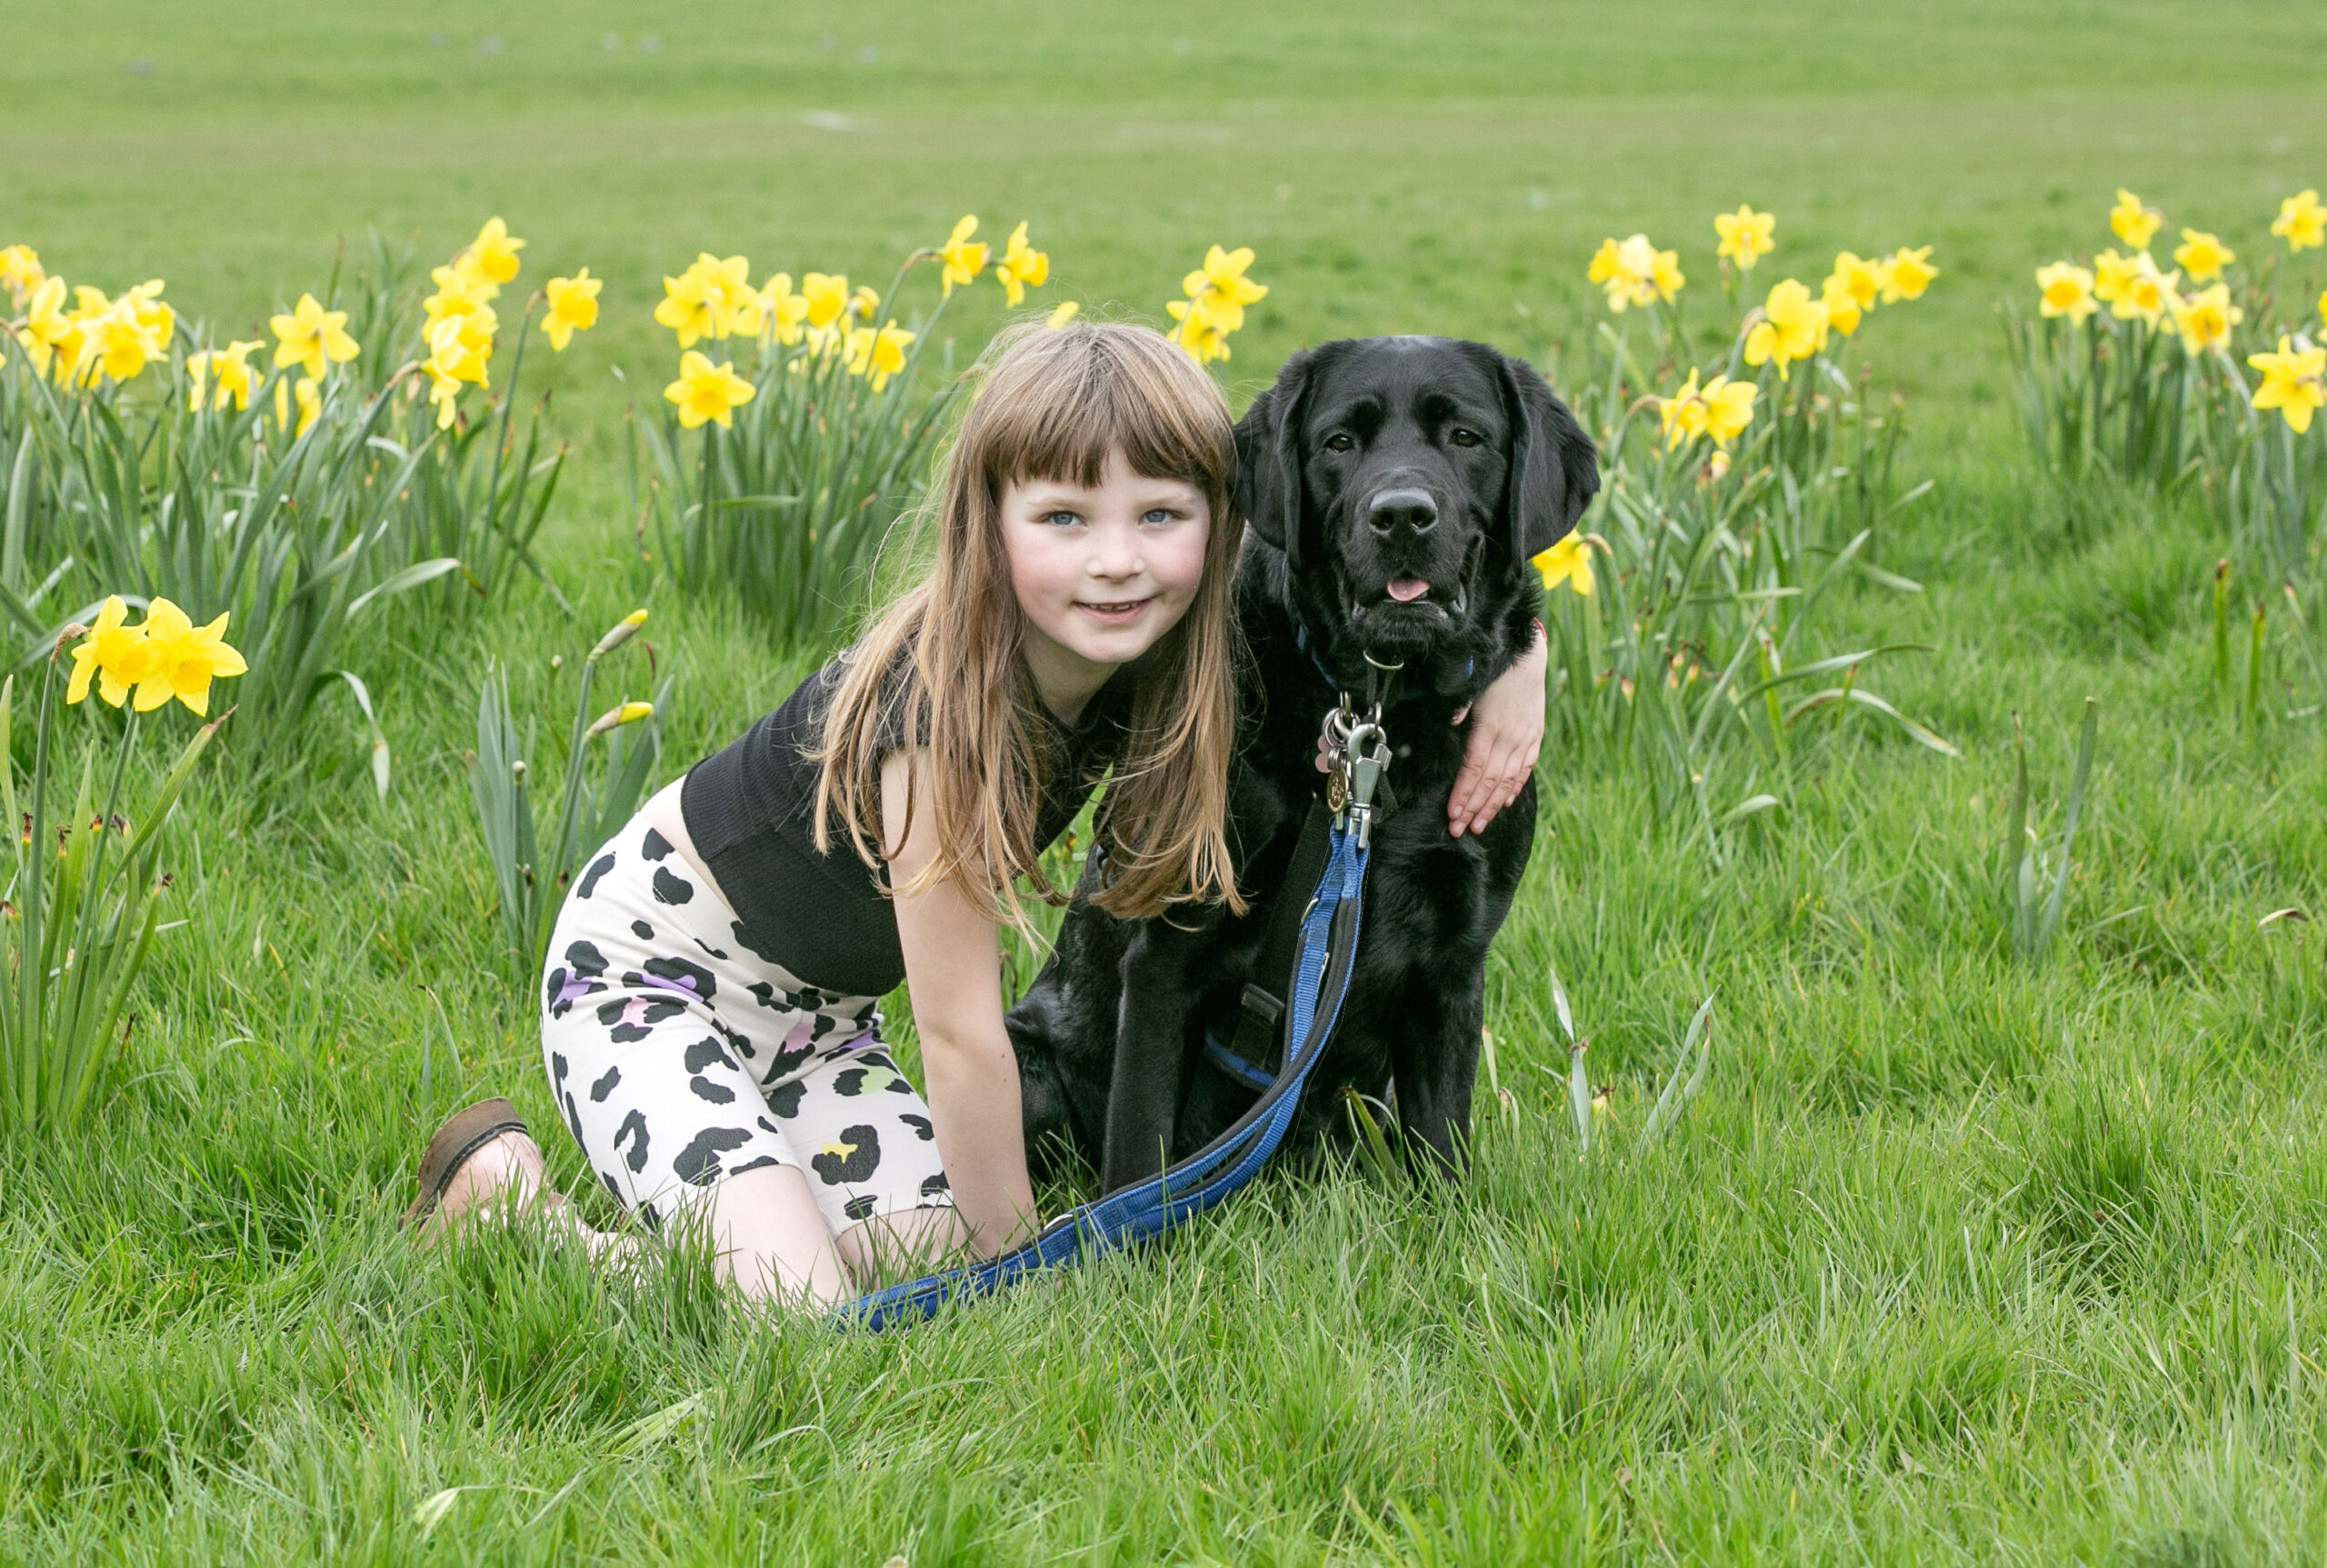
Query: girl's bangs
[[1059, 402]]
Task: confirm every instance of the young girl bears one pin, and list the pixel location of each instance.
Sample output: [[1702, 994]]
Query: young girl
[[711, 1023]]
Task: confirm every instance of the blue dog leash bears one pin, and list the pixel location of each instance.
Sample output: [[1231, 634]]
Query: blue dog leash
[[1327, 959]]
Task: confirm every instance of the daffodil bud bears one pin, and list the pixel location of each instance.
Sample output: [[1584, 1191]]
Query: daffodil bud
[[621, 632], [627, 713], [517, 773]]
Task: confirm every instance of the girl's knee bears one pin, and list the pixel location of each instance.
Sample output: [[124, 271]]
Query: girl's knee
[[884, 1248], [768, 1238]]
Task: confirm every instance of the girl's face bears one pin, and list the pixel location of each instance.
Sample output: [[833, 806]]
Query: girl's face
[[1101, 572]]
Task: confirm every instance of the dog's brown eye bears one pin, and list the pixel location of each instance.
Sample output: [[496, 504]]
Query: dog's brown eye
[[1339, 440], [1466, 437]]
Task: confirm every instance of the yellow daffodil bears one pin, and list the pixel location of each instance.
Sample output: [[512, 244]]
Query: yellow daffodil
[[2201, 255], [118, 656], [2322, 306], [2294, 382], [116, 342], [964, 257], [1793, 326], [828, 297], [706, 391], [865, 302], [20, 273], [1664, 274], [224, 374], [620, 715], [457, 293], [1745, 235], [461, 346], [311, 403], [183, 658], [2301, 223], [50, 337], [1843, 308], [1568, 562], [1682, 415], [878, 354], [153, 314], [730, 290], [573, 307], [1862, 280], [2113, 274], [310, 335], [702, 301], [774, 312], [1196, 330], [1907, 273], [493, 254], [2067, 290], [2133, 221], [1223, 289], [2147, 295], [1063, 314], [1635, 272], [1729, 409], [1022, 267], [1607, 265], [685, 307], [2204, 319]]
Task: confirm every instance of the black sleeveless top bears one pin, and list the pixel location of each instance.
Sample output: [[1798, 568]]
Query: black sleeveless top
[[827, 918]]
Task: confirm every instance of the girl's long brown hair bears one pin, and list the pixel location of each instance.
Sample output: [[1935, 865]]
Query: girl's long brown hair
[[942, 659]]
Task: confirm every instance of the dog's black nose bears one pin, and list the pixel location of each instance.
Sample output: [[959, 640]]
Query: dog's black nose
[[1412, 510]]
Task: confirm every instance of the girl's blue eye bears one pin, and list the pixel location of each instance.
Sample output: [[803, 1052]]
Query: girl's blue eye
[[1160, 514], [1062, 519]]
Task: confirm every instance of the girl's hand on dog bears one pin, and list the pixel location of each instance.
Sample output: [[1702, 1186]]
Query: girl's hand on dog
[[1505, 739]]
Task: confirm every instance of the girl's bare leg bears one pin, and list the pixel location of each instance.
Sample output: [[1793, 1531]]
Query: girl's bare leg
[[767, 1234]]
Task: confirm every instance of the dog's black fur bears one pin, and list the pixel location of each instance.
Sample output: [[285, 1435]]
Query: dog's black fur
[[1370, 460]]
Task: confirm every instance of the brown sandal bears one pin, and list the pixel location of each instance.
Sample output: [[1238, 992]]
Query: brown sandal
[[463, 1135]]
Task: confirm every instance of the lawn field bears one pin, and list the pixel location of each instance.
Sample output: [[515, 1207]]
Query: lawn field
[[1958, 1257]]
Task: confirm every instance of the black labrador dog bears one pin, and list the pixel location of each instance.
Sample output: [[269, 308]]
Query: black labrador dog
[[1395, 489]]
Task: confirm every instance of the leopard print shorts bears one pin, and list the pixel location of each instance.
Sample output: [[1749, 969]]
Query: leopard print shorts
[[679, 1056]]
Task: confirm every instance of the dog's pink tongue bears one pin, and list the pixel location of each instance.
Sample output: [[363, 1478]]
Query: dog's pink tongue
[[1406, 590]]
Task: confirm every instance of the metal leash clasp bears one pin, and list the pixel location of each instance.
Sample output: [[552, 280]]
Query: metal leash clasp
[[1366, 759], [1357, 752]]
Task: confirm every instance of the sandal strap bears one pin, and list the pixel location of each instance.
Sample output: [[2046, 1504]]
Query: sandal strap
[[463, 1135]]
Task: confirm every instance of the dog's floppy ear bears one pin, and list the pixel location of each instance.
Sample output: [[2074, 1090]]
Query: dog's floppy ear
[[1554, 468], [1270, 490]]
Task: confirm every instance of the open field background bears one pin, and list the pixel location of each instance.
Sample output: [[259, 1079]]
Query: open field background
[[1957, 1259]]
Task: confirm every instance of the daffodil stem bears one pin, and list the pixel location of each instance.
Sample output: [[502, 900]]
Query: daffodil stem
[[32, 883], [501, 440]]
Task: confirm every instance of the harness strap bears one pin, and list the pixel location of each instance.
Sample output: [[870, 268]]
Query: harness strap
[[1259, 1038]]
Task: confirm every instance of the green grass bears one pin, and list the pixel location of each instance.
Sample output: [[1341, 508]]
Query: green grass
[[1954, 1259]]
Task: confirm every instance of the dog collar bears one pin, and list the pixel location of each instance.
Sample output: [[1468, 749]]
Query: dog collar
[[1398, 693]]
